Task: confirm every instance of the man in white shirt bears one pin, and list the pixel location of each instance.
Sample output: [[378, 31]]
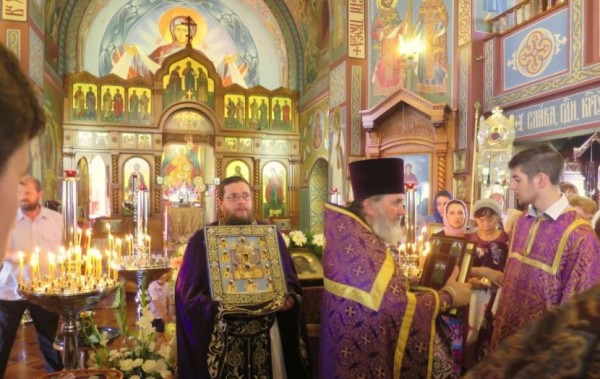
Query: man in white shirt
[[36, 227]]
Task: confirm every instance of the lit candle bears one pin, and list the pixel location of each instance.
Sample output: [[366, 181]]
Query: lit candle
[[119, 247], [37, 262], [78, 260], [34, 265], [21, 256], [423, 255], [89, 238], [61, 260], [148, 240], [88, 264], [98, 265], [108, 260], [110, 242], [79, 235], [69, 258], [109, 235], [51, 264]]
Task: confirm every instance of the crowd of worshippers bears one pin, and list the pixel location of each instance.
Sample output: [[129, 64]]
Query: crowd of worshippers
[[528, 307]]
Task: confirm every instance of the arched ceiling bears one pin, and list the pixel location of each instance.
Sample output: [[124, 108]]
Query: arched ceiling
[[249, 38]]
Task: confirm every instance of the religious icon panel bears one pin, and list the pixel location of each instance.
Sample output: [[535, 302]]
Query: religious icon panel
[[139, 105], [182, 182], [235, 111], [274, 178], [417, 171], [113, 103], [258, 115], [238, 167], [188, 80], [446, 252], [282, 113], [85, 101], [135, 167], [245, 266]]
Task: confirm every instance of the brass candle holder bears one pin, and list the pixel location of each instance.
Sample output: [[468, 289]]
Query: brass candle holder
[[142, 269], [68, 302]]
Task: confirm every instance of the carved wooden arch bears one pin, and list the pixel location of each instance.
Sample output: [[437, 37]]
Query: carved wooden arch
[[406, 123], [179, 136]]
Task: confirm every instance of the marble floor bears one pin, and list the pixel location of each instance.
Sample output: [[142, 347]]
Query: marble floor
[[25, 358]]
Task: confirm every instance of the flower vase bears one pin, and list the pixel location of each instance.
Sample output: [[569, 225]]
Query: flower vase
[[303, 249]]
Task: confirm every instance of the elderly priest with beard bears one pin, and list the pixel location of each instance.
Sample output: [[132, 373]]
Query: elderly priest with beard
[[371, 323], [214, 342]]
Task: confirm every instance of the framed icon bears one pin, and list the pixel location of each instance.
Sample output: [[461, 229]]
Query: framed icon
[[446, 252], [245, 269], [307, 266]]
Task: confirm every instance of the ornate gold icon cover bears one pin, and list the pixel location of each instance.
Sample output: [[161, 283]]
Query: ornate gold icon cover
[[244, 265]]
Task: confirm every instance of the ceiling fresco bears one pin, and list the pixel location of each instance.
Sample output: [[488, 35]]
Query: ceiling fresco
[[250, 42]]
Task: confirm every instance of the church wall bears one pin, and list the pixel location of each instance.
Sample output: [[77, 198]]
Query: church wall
[[53, 13], [431, 72], [315, 145], [315, 31], [559, 92], [52, 142], [22, 29]]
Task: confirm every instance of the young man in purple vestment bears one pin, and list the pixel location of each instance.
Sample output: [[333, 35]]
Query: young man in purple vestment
[[553, 252], [372, 325], [213, 343]]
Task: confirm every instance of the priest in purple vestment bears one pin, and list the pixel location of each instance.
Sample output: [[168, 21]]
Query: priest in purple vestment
[[372, 325], [553, 252], [215, 343]]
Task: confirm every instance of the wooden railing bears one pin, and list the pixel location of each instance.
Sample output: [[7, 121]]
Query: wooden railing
[[523, 13]]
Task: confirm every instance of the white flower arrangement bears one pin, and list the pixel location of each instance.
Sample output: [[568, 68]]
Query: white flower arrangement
[[318, 240], [298, 238], [143, 355]]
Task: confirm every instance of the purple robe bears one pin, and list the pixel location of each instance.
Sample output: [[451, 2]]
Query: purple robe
[[371, 324], [549, 262], [196, 313]]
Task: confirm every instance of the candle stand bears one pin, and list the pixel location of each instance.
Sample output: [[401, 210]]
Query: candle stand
[[69, 305], [140, 265], [142, 269]]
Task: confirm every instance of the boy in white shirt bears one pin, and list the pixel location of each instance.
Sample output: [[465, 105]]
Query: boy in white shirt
[[159, 292]]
